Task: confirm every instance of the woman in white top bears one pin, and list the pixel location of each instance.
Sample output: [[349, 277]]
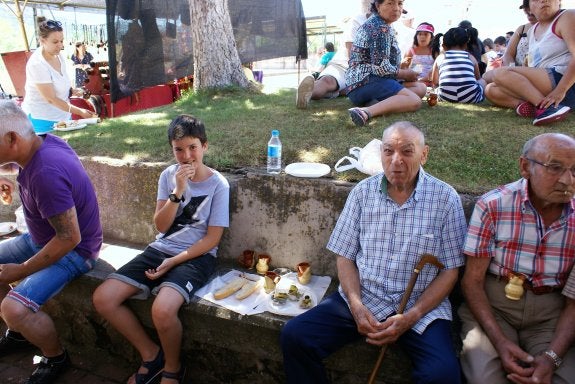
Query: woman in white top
[[545, 90], [48, 86]]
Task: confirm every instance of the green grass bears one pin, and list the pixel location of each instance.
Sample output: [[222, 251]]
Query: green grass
[[472, 147]]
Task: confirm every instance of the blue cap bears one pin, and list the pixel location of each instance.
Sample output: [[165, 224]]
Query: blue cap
[[275, 132]]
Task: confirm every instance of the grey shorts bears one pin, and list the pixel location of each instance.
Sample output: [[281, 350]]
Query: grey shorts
[[185, 278]]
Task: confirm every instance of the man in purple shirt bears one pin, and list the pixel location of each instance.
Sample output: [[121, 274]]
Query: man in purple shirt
[[63, 241]]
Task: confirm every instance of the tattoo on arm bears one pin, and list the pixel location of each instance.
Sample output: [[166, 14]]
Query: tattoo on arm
[[65, 224]]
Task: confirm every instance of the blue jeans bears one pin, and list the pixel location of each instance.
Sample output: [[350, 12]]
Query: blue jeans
[[34, 290], [311, 337]]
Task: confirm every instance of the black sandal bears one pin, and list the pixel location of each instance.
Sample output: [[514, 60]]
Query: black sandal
[[179, 376], [154, 367], [359, 116]]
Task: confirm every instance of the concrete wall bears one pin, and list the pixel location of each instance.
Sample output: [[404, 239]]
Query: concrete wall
[[287, 217]]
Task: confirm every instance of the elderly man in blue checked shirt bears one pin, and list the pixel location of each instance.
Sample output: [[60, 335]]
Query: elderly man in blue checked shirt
[[388, 222]]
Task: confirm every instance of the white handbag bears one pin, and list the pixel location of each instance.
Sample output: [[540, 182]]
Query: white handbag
[[366, 160]]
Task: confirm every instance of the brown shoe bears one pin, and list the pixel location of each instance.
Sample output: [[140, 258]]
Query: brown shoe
[[304, 91]]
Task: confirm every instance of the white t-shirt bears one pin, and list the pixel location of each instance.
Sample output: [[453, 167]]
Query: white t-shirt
[[405, 36], [349, 31], [206, 204], [38, 71], [549, 50]]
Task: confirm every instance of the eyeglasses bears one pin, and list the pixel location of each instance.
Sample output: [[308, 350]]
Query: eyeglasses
[[554, 169], [53, 25]]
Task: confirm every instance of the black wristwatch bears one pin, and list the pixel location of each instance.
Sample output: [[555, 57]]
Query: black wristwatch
[[176, 199]]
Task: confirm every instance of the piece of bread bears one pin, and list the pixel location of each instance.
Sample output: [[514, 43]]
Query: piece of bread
[[230, 288], [248, 288]]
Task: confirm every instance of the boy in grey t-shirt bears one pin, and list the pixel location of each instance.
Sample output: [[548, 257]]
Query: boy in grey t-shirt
[[191, 214]]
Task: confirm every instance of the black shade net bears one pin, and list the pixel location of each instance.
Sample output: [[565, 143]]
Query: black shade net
[[150, 41]]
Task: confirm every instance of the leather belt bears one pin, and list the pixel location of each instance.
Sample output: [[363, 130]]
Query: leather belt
[[541, 290]]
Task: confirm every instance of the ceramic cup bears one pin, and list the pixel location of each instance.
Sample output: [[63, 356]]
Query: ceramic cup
[[270, 281], [263, 263], [432, 99], [247, 259], [303, 272]]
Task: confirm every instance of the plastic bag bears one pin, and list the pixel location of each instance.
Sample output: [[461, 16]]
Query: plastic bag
[[20, 220], [366, 160]]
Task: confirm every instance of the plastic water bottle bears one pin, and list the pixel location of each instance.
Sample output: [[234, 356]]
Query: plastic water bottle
[[275, 153]]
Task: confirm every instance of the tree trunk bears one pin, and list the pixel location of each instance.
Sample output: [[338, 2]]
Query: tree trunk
[[216, 60]]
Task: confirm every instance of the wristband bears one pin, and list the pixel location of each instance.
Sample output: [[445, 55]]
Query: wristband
[[69, 108]]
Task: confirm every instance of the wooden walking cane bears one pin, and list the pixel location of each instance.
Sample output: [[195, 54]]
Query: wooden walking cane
[[426, 258]]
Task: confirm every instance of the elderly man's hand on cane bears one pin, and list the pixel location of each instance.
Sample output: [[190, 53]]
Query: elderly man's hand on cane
[[394, 333]]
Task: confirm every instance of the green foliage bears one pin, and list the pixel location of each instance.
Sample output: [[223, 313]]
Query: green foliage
[[472, 147]]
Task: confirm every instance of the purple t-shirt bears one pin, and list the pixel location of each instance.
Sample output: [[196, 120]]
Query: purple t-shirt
[[52, 182]]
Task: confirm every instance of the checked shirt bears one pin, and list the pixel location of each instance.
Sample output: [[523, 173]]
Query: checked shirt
[[386, 240], [506, 227]]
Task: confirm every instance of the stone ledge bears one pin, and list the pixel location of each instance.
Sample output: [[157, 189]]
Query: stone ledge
[[287, 217], [210, 330]]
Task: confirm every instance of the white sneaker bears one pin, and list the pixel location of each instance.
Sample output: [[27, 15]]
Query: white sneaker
[[304, 91]]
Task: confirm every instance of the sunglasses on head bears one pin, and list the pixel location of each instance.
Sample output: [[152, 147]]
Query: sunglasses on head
[[53, 25]]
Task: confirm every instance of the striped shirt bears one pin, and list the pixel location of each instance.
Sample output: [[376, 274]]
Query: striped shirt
[[506, 227], [374, 52], [457, 82], [386, 240]]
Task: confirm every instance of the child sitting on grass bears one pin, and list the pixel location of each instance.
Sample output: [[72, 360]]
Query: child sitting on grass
[[191, 214], [419, 58], [455, 71]]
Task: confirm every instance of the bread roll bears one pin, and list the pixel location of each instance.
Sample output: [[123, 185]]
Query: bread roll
[[248, 288], [230, 288]]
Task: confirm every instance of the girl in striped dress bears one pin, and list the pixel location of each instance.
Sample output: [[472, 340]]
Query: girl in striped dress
[[455, 71]]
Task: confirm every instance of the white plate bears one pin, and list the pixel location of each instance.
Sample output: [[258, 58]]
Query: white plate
[[308, 169], [7, 228], [92, 120], [71, 127], [291, 308]]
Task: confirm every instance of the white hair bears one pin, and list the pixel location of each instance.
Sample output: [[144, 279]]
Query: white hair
[[14, 119]]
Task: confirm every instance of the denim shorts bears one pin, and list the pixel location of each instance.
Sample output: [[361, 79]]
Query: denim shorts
[[377, 88], [185, 278], [555, 78], [34, 290]]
